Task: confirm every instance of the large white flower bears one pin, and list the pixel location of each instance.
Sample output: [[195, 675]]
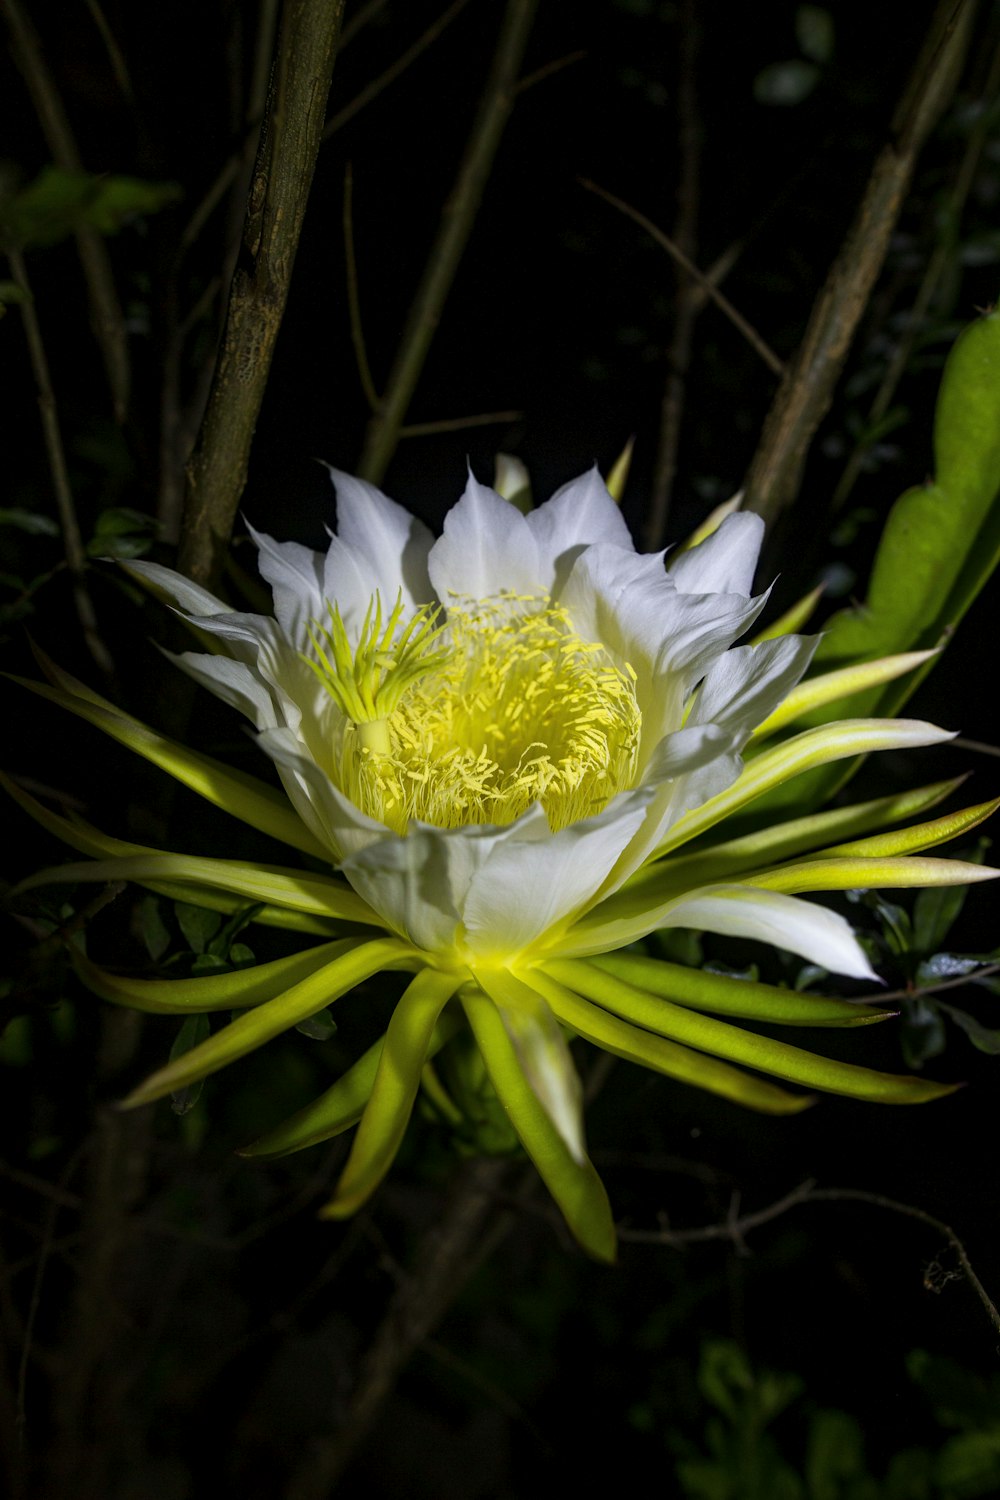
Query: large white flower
[[500, 739]]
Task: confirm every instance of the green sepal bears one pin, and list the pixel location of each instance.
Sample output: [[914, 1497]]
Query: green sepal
[[811, 748], [837, 687], [83, 836], [637, 1044], [235, 990], [575, 1186], [697, 989], [793, 1064], [543, 1052], [856, 874], [316, 895], [339, 1107], [236, 792], [405, 1049], [918, 836], [252, 1030], [721, 862]]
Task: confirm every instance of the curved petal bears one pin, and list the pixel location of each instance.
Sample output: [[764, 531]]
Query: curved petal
[[579, 514], [388, 545], [487, 548], [745, 684], [725, 562], [295, 575], [814, 933], [174, 588], [524, 889]]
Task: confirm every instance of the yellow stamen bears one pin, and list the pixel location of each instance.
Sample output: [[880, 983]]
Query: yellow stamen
[[513, 709]]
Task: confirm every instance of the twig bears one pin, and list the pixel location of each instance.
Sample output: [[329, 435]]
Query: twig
[[450, 1251], [353, 296], [685, 300], [723, 303], [359, 20], [449, 245], [944, 251], [393, 71], [979, 746], [807, 388], [115, 55], [547, 70], [107, 319], [72, 541], [736, 1226], [458, 424]]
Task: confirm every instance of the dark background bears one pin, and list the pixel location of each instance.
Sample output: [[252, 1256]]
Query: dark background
[[188, 1312]]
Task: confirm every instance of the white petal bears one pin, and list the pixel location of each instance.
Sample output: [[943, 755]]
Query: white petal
[[327, 813], [175, 588], [388, 544], [725, 562], [419, 883], [295, 574], [821, 936], [578, 515], [234, 682], [744, 685], [487, 548], [524, 888]]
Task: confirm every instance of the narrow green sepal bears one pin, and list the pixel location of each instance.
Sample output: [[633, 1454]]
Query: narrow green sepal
[[836, 687], [651, 1049], [252, 1030], [236, 792], [239, 989], [699, 990], [849, 874], [575, 1186], [406, 1047], [339, 1107], [793, 1064]]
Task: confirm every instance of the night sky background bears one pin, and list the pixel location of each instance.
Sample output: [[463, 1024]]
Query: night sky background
[[224, 1323]]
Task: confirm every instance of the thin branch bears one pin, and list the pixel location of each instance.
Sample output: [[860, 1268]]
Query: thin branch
[[452, 237], [290, 138], [115, 55], [106, 315], [455, 1244], [358, 22], [736, 1226], [806, 391], [724, 305], [685, 297], [884, 998], [73, 548], [980, 747], [459, 424], [392, 72], [353, 296], [549, 69]]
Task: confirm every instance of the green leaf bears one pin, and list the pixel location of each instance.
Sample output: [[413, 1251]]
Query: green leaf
[[320, 1027], [922, 1031], [29, 521], [982, 1037], [786, 83], [197, 924], [814, 32], [59, 203], [155, 932], [193, 1031]]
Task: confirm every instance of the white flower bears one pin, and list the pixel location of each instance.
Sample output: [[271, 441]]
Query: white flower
[[501, 740], [536, 705]]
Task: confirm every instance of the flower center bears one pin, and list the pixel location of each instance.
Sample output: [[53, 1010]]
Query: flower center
[[503, 707]]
